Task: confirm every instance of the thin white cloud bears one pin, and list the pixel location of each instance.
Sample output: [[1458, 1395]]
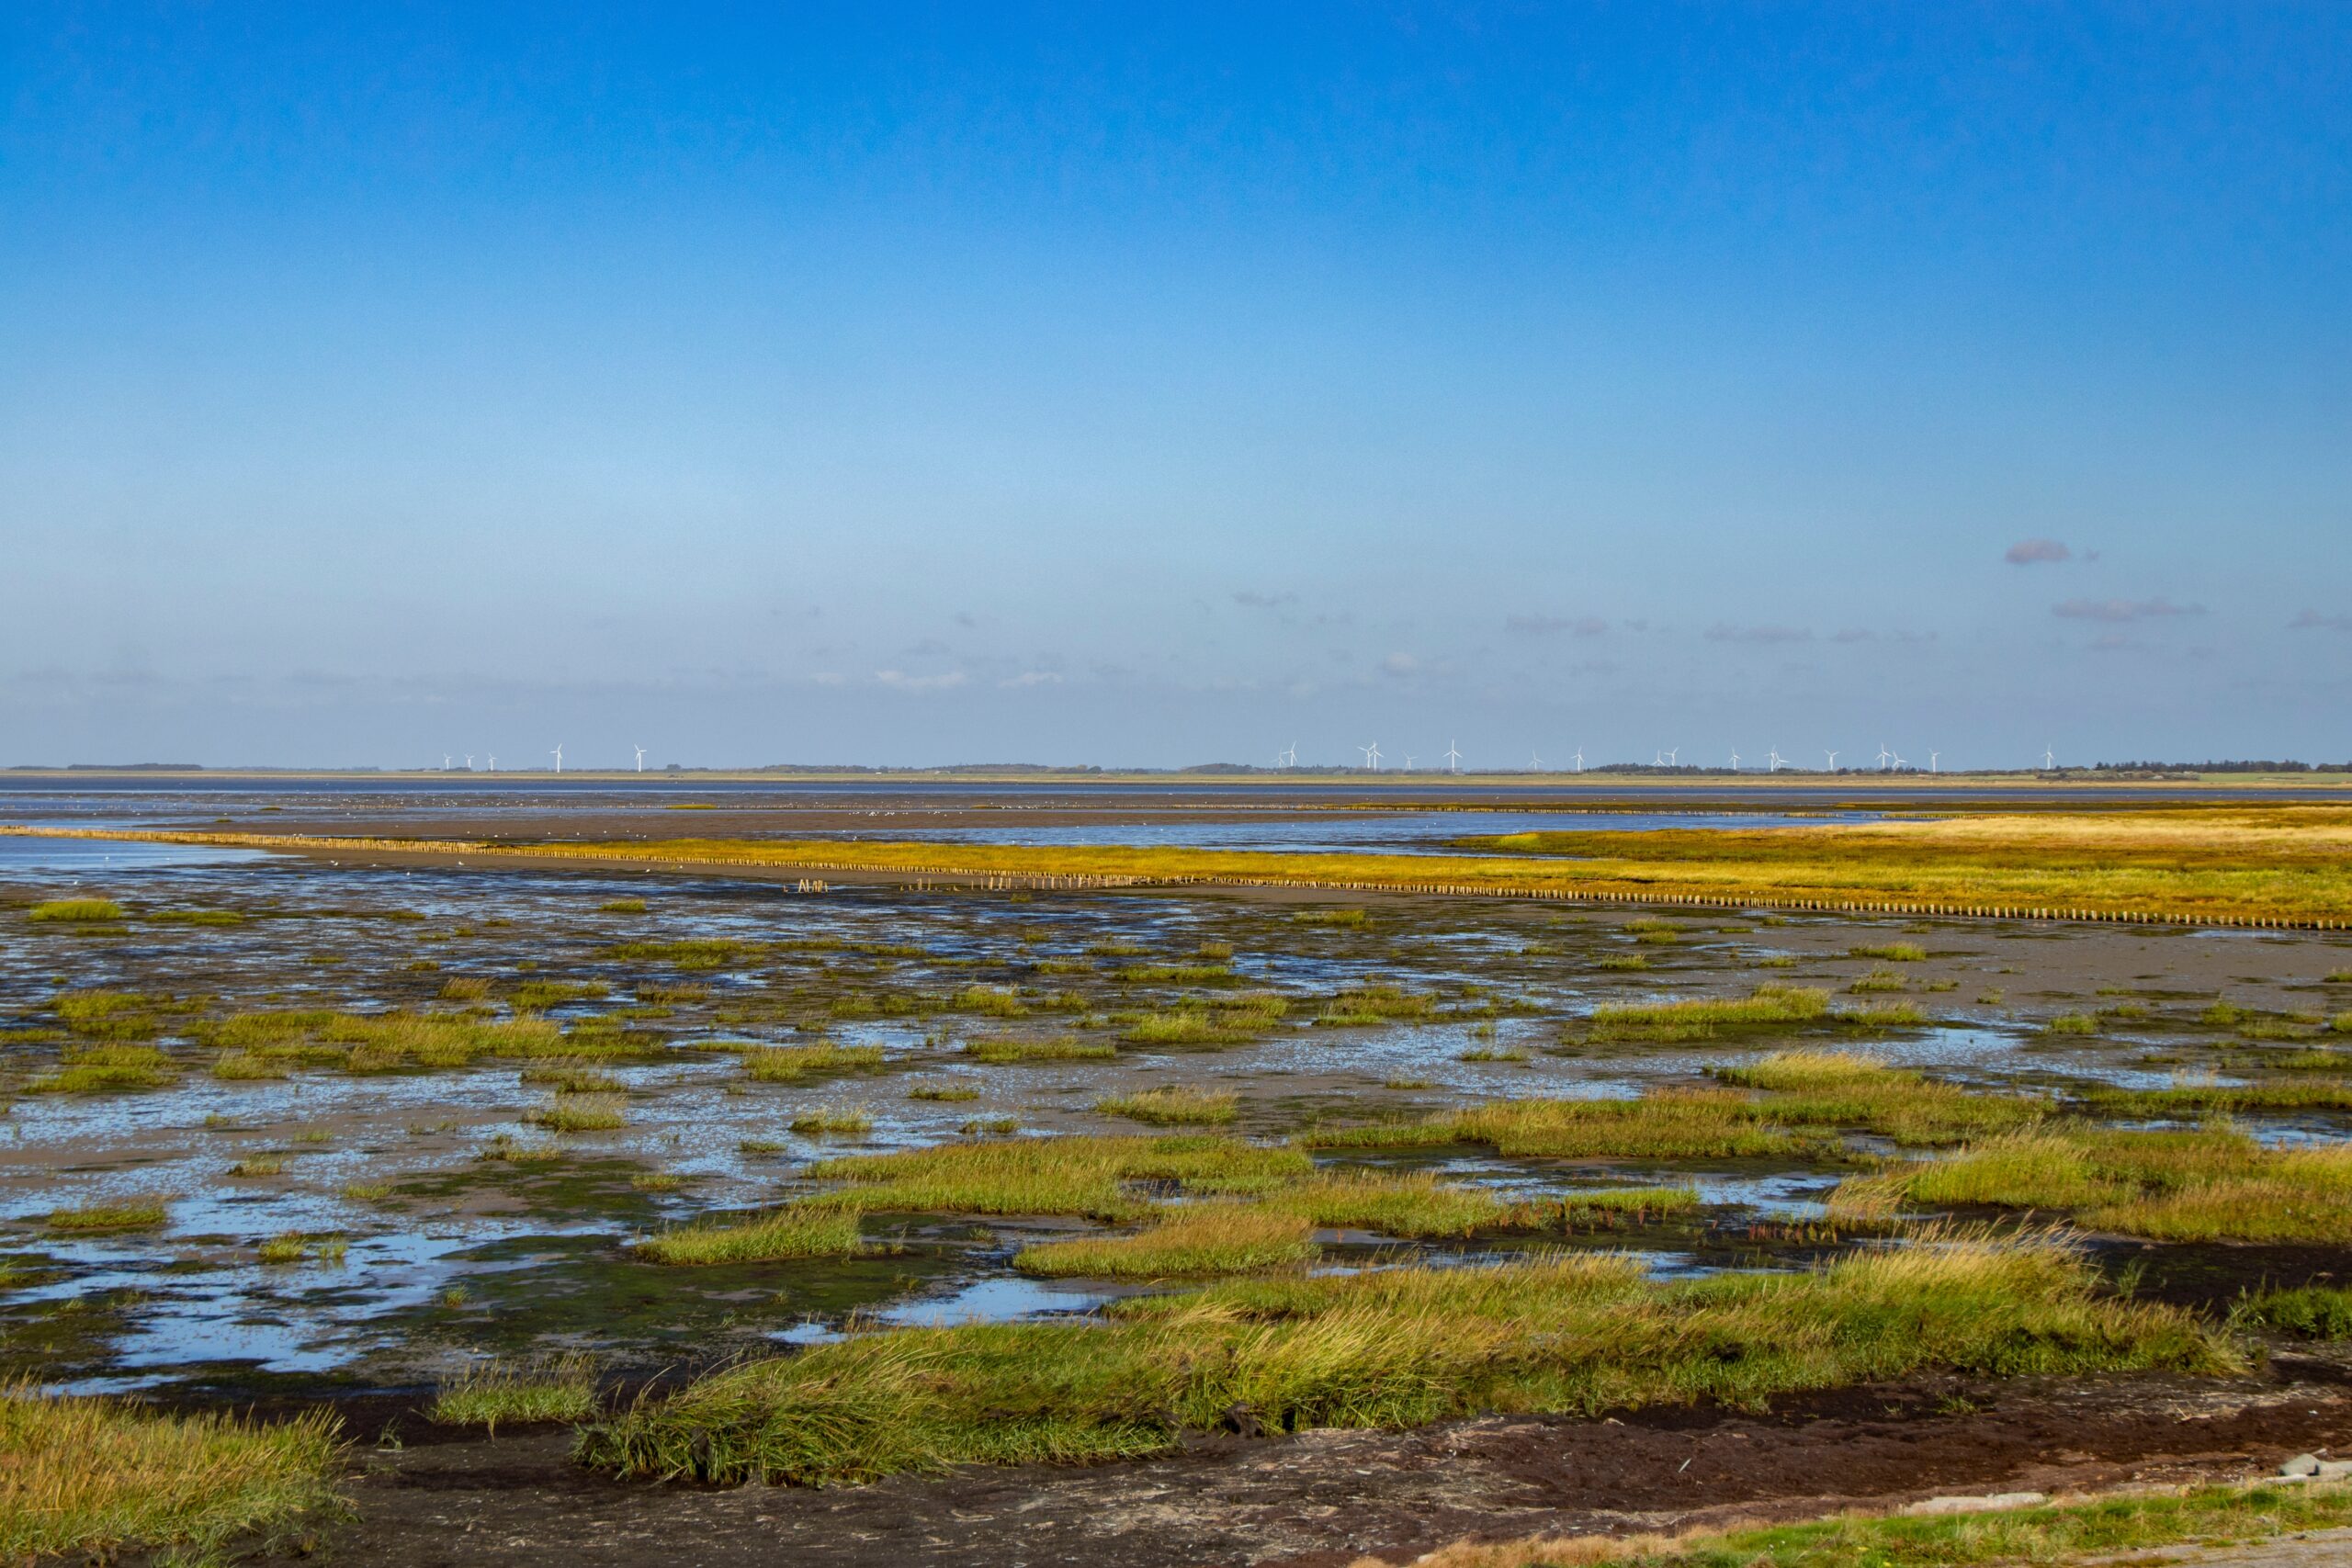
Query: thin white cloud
[[899, 681], [2035, 552]]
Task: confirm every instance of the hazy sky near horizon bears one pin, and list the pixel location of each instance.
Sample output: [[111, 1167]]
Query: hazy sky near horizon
[[1157, 385]]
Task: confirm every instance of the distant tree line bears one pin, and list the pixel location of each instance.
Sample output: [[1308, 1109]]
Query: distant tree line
[[2222, 768]]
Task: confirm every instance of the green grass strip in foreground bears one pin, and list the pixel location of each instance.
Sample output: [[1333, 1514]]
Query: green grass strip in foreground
[[91, 1477], [1571, 1333], [2063, 1532]]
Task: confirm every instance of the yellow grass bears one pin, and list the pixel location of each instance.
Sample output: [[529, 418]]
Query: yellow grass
[[92, 1477], [2239, 862]]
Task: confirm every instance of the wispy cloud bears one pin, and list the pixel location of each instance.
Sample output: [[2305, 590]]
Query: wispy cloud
[[1552, 626], [2314, 620], [2034, 552], [1723, 631], [1400, 664], [1031, 678], [2116, 610], [899, 681]]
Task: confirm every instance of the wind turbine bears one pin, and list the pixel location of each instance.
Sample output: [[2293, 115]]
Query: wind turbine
[[1899, 763], [470, 761], [2049, 759], [444, 762], [1734, 762], [1882, 755], [1674, 756], [1832, 762], [1931, 761], [493, 762], [1408, 762], [1773, 761], [558, 755], [640, 759], [1452, 759], [1371, 756], [1535, 763], [1579, 759]]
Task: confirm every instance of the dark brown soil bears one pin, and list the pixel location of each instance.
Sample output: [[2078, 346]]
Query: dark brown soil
[[1323, 1500]]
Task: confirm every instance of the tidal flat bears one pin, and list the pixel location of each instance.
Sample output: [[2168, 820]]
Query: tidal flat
[[627, 1166]]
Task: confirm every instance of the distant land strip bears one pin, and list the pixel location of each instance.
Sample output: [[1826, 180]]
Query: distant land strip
[[2310, 891]]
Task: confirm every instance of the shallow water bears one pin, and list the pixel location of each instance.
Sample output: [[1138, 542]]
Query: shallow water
[[539, 1253]]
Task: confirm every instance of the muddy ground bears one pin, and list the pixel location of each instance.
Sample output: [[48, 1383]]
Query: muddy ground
[[427, 1498]]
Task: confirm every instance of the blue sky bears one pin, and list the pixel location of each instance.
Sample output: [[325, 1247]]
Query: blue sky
[[1157, 385]]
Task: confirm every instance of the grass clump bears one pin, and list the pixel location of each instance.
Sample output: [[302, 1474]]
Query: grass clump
[[1374, 1002], [785, 1064], [1837, 1088], [1662, 1124], [799, 1230], [1879, 978], [949, 1092], [537, 996], [1216, 1238], [1623, 961], [1228, 1020], [1332, 918], [94, 1478], [1001, 1052], [1415, 1205], [243, 1066], [1770, 1006], [1891, 951], [526, 1393], [72, 912], [2073, 1024], [832, 1122], [580, 1114], [102, 1218], [102, 1069], [1171, 1105], [2212, 1184], [2314, 1312], [1571, 1334], [2088, 1530], [621, 906], [260, 1165], [1090, 1177], [692, 955]]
